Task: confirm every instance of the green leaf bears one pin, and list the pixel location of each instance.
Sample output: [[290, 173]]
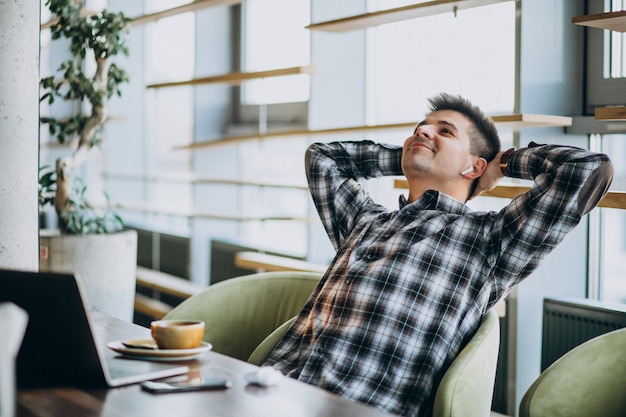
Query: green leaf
[[105, 34]]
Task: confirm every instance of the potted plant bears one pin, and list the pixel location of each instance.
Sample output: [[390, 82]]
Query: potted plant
[[89, 240]]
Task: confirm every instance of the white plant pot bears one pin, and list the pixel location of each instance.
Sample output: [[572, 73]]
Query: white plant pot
[[105, 264]]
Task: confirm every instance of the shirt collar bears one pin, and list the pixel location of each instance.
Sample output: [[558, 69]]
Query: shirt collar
[[435, 200]]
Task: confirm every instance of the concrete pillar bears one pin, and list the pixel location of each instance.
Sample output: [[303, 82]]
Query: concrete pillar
[[19, 133]]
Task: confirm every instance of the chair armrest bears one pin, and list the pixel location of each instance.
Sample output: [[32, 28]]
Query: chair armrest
[[263, 350]]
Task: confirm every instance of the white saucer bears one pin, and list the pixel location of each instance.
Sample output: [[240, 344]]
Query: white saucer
[[157, 354]]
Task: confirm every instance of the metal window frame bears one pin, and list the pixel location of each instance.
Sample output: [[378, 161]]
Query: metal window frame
[[600, 91], [293, 114]]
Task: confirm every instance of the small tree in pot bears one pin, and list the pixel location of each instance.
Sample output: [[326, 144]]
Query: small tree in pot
[[100, 37], [85, 244]]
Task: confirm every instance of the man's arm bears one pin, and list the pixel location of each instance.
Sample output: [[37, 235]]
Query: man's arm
[[596, 185], [567, 183], [333, 171]]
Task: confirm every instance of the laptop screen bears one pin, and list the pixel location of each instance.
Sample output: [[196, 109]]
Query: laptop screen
[[57, 330], [59, 346]]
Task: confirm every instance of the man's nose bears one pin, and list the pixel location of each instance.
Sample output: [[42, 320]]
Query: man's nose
[[425, 131]]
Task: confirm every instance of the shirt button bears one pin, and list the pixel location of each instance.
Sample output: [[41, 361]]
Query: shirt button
[[320, 350]]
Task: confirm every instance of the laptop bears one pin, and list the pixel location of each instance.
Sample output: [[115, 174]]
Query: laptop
[[65, 343]]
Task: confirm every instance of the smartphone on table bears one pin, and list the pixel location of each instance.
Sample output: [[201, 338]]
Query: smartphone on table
[[214, 383]]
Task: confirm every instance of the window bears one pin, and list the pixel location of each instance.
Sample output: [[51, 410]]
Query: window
[[606, 83], [616, 45], [612, 286], [169, 51], [606, 60], [274, 37], [406, 65]]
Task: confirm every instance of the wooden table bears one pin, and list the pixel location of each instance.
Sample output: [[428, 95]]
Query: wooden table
[[290, 398]]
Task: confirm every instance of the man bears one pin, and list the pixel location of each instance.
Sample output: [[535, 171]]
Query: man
[[408, 288]]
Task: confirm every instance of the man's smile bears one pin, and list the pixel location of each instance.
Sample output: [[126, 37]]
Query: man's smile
[[422, 144]]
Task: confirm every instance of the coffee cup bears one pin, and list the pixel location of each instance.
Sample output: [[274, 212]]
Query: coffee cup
[[177, 334]]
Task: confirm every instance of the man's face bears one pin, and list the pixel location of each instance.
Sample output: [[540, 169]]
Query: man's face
[[439, 147]]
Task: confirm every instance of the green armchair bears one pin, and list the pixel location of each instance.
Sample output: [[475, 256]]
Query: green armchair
[[588, 381], [263, 350], [240, 312], [466, 389]]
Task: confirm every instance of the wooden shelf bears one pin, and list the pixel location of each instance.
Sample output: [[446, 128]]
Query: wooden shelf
[[615, 21], [507, 191], [152, 17], [610, 113], [71, 144], [613, 199], [160, 283], [235, 78], [166, 283], [513, 121], [175, 177], [269, 184], [190, 7], [192, 214], [261, 261], [398, 14], [292, 133], [526, 120]]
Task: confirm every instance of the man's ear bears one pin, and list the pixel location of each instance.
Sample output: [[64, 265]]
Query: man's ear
[[478, 168]]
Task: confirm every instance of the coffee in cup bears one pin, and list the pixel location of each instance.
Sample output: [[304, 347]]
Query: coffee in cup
[[177, 334]]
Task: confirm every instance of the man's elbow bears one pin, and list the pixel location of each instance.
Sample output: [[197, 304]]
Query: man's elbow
[[596, 186]]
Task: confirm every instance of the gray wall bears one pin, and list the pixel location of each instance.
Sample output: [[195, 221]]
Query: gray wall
[[212, 112], [337, 90], [19, 134]]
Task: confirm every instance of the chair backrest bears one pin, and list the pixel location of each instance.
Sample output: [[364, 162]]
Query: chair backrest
[[240, 312], [466, 389], [589, 380]]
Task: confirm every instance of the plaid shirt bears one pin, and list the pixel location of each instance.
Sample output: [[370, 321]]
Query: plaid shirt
[[408, 288]]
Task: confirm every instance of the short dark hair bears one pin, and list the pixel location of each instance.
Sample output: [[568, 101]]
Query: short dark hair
[[484, 139]]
